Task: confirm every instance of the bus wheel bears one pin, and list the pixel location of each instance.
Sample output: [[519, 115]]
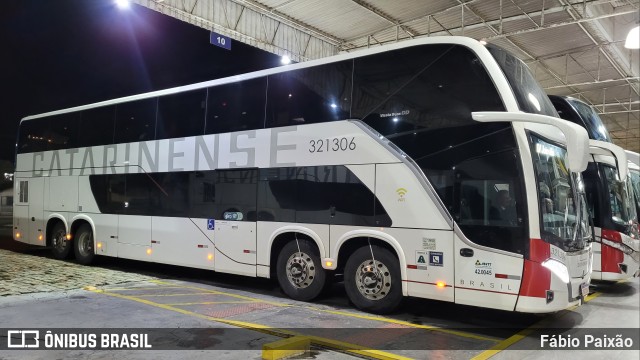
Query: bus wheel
[[374, 286], [83, 245], [300, 271], [61, 247]]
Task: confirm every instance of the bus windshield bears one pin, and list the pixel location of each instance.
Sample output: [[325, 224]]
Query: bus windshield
[[591, 120], [529, 94], [563, 224], [634, 175], [622, 207]]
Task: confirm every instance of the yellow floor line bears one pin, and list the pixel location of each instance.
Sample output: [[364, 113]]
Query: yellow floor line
[[592, 296], [213, 303], [319, 341], [182, 294], [344, 313], [233, 295], [525, 332], [145, 288], [408, 324]]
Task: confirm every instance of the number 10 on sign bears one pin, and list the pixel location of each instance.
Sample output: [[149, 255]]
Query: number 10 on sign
[[220, 40]]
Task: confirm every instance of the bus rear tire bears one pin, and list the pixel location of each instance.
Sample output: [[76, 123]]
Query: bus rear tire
[[84, 245], [299, 271], [375, 288], [60, 246]]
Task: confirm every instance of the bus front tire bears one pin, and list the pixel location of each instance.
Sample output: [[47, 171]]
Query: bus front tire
[[60, 246], [373, 286], [299, 270], [84, 245]]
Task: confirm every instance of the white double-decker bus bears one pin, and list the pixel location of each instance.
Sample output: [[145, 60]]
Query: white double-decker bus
[[414, 169], [608, 182]]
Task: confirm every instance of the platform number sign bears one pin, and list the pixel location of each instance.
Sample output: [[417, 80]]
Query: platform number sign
[[211, 224], [220, 40]]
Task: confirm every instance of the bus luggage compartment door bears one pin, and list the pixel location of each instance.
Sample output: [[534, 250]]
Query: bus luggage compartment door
[[235, 247], [36, 211]]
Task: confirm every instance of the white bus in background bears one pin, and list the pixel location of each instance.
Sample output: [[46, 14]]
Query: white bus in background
[[610, 195], [412, 169], [634, 175]]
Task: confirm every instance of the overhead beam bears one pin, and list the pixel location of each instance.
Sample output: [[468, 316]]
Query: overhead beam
[[385, 17], [298, 40], [347, 45], [593, 82]]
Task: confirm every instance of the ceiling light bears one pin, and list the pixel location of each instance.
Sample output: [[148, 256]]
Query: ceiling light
[[122, 4], [285, 60], [633, 38]]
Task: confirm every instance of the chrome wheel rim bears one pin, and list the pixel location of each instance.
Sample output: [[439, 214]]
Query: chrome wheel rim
[[373, 279], [300, 270], [85, 244]]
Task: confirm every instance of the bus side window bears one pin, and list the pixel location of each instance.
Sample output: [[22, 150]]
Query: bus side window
[[33, 135], [236, 106], [181, 115], [307, 96], [96, 126], [63, 131], [135, 121]]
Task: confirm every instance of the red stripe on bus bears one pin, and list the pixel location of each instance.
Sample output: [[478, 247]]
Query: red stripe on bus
[[427, 283], [246, 251], [200, 246], [610, 257], [154, 242], [491, 291], [502, 276], [611, 235], [539, 250], [412, 266], [536, 280]]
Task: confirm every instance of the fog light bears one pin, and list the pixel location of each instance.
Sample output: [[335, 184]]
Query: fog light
[[549, 296], [623, 268]]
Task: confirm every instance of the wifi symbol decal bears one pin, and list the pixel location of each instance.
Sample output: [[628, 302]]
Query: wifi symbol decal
[[401, 193]]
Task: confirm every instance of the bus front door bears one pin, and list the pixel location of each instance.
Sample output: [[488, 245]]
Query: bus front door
[[486, 278]]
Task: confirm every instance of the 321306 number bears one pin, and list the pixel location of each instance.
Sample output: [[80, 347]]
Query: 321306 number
[[332, 145]]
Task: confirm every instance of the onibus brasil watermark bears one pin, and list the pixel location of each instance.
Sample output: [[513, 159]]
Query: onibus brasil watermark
[[33, 339]]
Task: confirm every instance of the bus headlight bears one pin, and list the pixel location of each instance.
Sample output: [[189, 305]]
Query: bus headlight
[[558, 268]]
